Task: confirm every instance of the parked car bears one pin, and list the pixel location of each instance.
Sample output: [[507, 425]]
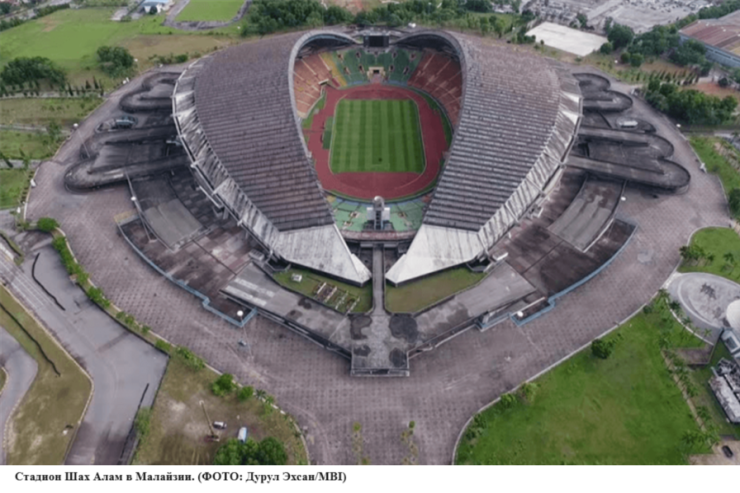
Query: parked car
[[727, 451], [219, 425], [243, 434]]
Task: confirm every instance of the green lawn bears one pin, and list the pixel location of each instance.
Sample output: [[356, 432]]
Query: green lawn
[[717, 242], [623, 410], [178, 427], [210, 10], [38, 428], [71, 38], [377, 136], [705, 148], [12, 184], [35, 145], [311, 281], [417, 295], [38, 111]]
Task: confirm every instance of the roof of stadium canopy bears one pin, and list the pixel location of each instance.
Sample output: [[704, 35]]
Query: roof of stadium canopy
[[236, 114]]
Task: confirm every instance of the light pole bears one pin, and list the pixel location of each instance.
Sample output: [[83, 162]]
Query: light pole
[[76, 126]]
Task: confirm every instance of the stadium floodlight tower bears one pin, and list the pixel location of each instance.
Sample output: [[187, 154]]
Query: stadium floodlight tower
[[378, 214]]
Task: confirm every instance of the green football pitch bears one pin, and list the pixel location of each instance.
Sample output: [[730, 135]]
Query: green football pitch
[[376, 136]]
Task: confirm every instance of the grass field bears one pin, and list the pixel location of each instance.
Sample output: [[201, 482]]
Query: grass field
[[376, 136], [717, 242], [311, 281], [12, 184], [178, 427], [707, 148], [35, 145], [71, 38], [626, 409], [38, 111], [210, 10], [417, 295], [38, 433]]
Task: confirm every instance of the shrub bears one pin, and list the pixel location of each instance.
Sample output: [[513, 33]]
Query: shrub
[[223, 385], [115, 61], [163, 346], [96, 296], [189, 358], [601, 348], [142, 421], [245, 393], [47, 224], [507, 401], [145, 329]]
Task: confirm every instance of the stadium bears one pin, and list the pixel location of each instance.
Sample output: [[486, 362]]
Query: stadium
[[378, 193]]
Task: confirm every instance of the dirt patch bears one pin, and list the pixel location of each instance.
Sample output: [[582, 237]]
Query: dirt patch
[[397, 358], [179, 429], [404, 327], [363, 350], [713, 89], [356, 326], [48, 23]]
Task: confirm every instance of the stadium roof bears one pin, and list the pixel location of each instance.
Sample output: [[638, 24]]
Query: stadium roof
[[722, 33], [518, 118], [236, 114]]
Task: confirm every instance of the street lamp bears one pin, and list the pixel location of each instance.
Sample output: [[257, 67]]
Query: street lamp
[[75, 126]]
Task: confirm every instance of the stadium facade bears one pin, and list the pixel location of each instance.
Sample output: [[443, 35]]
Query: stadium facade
[[237, 117]]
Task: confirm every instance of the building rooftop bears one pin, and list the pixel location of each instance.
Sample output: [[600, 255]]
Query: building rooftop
[[723, 33]]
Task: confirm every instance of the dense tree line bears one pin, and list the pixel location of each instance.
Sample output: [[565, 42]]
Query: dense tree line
[[655, 43], [268, 452], [268, 16], [115, 61], [40, 12], [24, 70], [690, 106]]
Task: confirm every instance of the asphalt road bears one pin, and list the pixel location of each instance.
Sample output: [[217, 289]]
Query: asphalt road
[[120, 364], [21, 369]]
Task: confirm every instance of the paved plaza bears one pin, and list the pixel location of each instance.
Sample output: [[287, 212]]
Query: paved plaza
[[446, 385]]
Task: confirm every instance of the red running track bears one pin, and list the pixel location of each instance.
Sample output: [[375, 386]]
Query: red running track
[[366, 185]]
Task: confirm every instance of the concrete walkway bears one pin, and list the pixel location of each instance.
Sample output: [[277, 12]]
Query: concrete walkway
[[705, 298], [21, 369], [121, 365]]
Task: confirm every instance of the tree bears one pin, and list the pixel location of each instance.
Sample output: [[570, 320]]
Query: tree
[[636, 59], [625, 57], [734, 202], [223, 385], [497, 24], [723, 82], [582, 20], [482, 6], [245, 393], [271, 452], [606, 48], [115, 61], [268, 452], [620, 36], [601, 348], [47, 224]]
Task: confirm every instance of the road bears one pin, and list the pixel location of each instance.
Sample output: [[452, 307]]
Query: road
[[121, 365], [21, 369]]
